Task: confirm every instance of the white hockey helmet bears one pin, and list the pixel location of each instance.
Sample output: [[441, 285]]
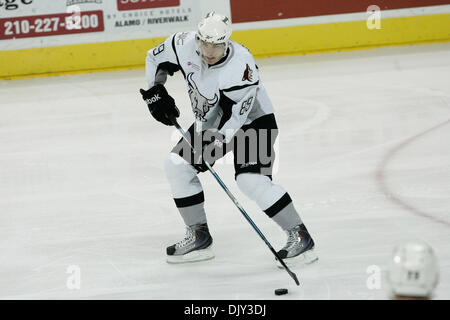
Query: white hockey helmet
[[214, 28], [413, 270]]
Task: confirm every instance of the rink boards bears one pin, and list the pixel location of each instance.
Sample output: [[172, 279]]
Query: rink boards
[[264, 38]]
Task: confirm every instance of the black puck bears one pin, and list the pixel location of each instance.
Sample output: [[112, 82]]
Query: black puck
[[280, 292]]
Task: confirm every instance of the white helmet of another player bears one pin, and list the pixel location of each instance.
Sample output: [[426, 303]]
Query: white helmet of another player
[[214, 29], [413, 270]]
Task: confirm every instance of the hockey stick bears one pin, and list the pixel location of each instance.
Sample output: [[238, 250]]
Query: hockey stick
[[238, 205]]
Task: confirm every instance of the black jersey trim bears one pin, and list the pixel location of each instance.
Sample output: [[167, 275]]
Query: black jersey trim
[[176, 55], [190, 201], [226, 104], [279, 205], [235, 88]]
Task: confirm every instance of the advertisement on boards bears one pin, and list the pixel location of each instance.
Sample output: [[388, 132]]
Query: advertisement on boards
[[40, 23]]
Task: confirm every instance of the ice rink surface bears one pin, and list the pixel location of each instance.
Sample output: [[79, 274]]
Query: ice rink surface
[[363, 150]]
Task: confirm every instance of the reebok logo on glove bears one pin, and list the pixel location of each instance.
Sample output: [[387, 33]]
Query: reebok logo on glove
[[161, 106], [153, 99]]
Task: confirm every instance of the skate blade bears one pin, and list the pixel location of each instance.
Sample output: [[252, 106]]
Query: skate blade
[[194, 256], [303, 259]]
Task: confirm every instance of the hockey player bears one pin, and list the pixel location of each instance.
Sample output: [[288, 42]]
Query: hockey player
[[230, 104]]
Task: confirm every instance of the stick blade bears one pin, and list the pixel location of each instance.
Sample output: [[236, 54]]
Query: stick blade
[[294, 276]]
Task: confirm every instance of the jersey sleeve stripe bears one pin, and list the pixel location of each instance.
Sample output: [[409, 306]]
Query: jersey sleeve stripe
[[235, 88], [176, 55]]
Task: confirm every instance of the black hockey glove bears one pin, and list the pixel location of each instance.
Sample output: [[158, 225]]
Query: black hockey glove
[[161, 106], [212, 150]]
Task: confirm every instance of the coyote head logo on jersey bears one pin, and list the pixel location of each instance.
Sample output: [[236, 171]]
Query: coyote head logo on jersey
[[200, 104], [248, 74]]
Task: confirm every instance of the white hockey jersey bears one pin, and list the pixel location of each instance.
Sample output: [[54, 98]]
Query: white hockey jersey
[[226, 95]]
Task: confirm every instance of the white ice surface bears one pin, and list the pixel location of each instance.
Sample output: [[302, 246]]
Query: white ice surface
[[364, 151]]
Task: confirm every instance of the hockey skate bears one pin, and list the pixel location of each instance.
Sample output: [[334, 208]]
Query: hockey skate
[[196, 246], [299, 249]]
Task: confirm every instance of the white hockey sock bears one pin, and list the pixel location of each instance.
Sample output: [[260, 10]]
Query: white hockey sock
[[271, 198], [186, 189]]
